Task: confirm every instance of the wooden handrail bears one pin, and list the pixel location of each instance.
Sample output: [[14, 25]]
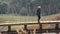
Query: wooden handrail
[[28, 24], [25, 25]]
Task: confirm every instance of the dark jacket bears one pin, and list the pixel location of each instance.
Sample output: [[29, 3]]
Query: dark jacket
[[38, 11]]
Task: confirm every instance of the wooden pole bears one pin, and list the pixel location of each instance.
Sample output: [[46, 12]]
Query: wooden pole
[[57, 27]]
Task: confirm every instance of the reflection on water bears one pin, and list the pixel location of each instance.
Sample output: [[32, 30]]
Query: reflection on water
[[49, 33]]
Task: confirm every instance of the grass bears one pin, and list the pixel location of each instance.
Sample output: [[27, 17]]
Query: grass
[[53, 17], [13, 18], [17, 27]]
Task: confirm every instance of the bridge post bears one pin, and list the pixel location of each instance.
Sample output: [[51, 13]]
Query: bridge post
[[56, 28], [40, 25], [9, 29], [25, 26]]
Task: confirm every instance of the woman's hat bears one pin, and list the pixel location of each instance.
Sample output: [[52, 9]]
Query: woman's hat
[[39, 6]]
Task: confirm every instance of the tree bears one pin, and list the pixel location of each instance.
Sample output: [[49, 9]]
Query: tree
[[3, 8]]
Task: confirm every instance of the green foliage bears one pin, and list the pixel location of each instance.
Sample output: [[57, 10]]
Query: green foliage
[[29, 7]]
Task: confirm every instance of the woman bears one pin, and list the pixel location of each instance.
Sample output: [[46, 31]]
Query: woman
[[38, 13]]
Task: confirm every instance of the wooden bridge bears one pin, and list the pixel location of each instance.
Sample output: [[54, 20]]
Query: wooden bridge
[[40, 30]]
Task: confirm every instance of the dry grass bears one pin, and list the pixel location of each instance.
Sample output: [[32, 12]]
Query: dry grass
[[51, 17], [14, 19]]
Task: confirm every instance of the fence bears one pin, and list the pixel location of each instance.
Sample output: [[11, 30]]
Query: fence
[[41, 30]]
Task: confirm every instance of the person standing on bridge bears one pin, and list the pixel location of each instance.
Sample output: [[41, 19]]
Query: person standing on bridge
[[38, 13]]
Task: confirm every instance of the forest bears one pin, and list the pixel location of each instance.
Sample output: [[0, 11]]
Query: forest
[[29, 7]]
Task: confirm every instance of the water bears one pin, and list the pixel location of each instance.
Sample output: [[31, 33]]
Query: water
[[48, 33]]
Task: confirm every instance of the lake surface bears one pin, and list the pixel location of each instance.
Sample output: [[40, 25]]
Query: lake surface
[[48, 33]]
